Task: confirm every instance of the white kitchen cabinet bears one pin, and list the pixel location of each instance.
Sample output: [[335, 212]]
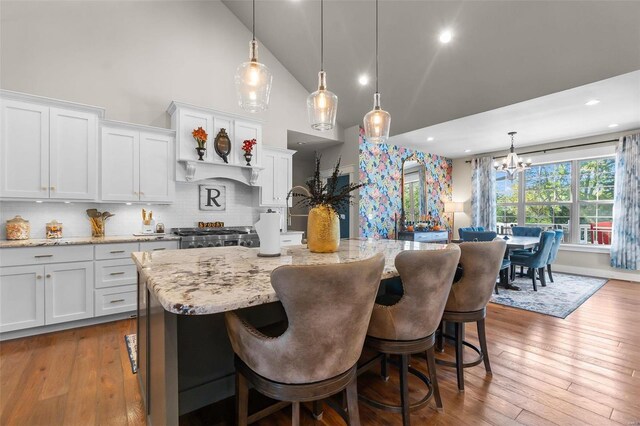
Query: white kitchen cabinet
[[159, 245], [137, 165], [68, 292], [109, 301], [48, 148], [157, 180], [246, 130], [276, 178], [24, 150], [73, 161], [21, 297]]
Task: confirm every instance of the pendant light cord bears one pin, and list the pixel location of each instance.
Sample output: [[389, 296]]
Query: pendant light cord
[[321, 35], [253, 25], [376, 46]]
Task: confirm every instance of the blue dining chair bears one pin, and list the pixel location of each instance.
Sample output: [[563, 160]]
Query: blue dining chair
[[538, 259], [526, 231], [473, 235], [469, 229], [554, 251]]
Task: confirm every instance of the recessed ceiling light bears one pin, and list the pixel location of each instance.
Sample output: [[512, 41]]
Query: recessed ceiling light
[[613, 125], [302, 143], [38, 201], [67, 202], [430, 138], [128, 204], [363, 80], [593, 102], [467, 150], [445, 36]]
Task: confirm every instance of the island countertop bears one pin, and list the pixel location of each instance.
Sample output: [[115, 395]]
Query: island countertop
[[213, 280]]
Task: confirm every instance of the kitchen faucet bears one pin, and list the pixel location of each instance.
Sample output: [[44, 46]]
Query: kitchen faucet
[[289, 215]]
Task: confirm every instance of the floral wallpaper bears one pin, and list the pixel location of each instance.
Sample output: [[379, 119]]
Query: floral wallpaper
[[380, 200]]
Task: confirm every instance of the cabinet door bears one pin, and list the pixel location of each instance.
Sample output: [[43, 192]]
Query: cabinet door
[[21, 297], [282, 178], [68, 292], [267, 179], [157, 177], [244, 130], [73, 161], [24, 150], [120, 164]]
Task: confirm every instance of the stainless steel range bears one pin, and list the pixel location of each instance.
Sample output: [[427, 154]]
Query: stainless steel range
[[244, 236]]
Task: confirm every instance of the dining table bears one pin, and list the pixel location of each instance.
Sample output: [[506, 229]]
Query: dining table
[[515, 242]]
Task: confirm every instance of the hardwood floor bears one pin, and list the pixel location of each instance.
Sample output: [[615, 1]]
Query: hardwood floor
[[581, 370]]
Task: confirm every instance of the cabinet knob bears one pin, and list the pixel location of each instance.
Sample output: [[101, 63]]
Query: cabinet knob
[[135, 193], [44, 188], [53, 188], [39, 277], [48, 275]]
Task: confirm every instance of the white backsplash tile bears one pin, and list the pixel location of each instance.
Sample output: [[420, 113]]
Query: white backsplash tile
[[242, 209]]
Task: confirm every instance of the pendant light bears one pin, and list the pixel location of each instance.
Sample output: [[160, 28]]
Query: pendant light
[[253, 79], [377, 121], [512, 164], [322, 105]]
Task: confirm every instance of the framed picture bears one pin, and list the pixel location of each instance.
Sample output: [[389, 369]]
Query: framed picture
[[213, 198], [222, 145]]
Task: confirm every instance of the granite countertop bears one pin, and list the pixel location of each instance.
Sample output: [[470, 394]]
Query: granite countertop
[[85, 240], [213, 280]]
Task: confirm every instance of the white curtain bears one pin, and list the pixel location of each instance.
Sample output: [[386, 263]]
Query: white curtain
[[625, 241], [483, 194]]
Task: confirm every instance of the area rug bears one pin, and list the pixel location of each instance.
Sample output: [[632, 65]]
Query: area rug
[[557, 299], [131, 340]]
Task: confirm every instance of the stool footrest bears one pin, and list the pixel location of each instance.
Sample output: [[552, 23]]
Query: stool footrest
[[473, 363]]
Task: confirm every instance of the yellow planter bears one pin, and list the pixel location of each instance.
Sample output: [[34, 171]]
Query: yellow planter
[[323, 230]]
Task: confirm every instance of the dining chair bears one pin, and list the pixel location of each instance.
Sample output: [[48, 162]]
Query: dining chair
[[526, 231], [553, 254], [537, 260], [469, 229], [328, 310]]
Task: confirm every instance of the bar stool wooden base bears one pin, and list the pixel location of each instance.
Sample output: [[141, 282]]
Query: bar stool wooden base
[[294, 394], [459, 319], [404, 349]]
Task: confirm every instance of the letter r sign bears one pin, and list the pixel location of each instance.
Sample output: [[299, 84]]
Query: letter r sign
[[213, 197]]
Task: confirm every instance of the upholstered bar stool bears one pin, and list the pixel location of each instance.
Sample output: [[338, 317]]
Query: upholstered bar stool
[[467, 302], [328, 309], [408, 325]]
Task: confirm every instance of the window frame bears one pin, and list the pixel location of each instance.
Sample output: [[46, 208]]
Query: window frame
[[574, 205]]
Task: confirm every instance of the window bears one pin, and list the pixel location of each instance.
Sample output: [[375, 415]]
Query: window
[[575, 196], [547, 197], [595, 193]]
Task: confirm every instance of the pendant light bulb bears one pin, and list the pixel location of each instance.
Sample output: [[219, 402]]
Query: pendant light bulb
[[253, 79], [322, 105], [377, 122]]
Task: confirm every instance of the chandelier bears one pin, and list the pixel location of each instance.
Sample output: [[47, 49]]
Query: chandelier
[[512, 164]]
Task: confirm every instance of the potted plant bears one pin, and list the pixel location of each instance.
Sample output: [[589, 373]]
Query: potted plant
[[325, 200], [247, 147], [201, 139]]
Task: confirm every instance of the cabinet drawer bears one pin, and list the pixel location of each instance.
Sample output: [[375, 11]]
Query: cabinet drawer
[[158, 245], [115, 251], [115, 300], [112, 273], [42, 255], [290, 239]]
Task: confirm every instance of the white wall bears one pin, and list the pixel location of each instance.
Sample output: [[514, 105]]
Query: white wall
[[242, 209], [348, 152], [577, 262], [135, 57]]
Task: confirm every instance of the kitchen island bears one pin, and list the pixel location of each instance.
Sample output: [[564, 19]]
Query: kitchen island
[[185, 360]]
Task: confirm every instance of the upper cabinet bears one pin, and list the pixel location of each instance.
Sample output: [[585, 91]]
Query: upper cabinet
[[276, 178], [137, 163], [48, 148], [185, 118]]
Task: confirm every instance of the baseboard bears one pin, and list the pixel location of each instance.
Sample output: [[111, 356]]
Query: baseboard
[[595, 272], [65, 326]]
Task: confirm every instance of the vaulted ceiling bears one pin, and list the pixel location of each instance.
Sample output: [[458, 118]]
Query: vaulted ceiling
[[503, 52]]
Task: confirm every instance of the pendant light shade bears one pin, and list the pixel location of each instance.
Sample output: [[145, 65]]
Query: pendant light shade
[[322, 105], [253, 79], [377, 121]]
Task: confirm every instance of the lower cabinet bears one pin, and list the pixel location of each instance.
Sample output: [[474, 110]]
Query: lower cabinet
[[115, 300], [68, 292], [21, 297]]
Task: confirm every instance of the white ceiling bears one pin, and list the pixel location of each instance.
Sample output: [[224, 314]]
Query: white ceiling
[[503, 52], [556, 117]]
